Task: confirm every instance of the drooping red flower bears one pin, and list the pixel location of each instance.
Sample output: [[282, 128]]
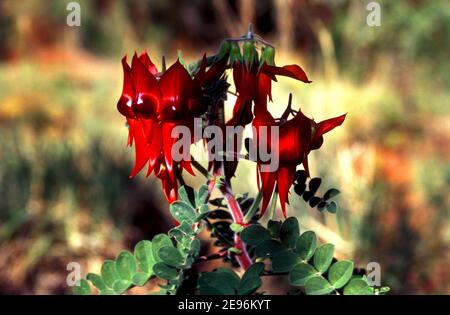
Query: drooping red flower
[[253, 82], [154, 104], [297, 137], [139, 103]]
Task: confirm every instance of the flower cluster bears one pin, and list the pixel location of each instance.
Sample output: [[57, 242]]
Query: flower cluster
[[155, 102]]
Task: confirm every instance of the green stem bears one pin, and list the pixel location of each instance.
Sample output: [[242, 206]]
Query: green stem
[[254, 208], [273, 204], [201, 169]]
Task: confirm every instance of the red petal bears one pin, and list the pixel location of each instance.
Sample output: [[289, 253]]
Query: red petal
[[245, 82], [329, 124], [292, 71], [169, 185], [200, 75], [142, 149], [167, 146], [128, 88], [215, 71], [306, 166], [154, 142], [242, 112], [264, 91], [323, 127], [176, 86], [146, 88], [285, 179], [124, 105], [187, 166], [237, 76], [295, 138], [145, 59]]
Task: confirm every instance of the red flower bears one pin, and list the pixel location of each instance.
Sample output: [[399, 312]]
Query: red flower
[[253, 82], [155, 103], [297, 137], [139, 103]]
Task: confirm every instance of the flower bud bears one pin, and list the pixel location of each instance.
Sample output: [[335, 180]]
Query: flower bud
[[224, 49], [235, 53], [268, 55], [250, 54]]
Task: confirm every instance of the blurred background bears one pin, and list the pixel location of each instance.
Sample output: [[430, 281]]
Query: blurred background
[[64, 189]]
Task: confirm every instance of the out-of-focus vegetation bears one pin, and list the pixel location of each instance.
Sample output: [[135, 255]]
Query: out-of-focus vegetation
[[64, 191]]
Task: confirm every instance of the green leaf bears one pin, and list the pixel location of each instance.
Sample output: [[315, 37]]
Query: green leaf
[[332, 207], [220, 282], [333, 192], [218, 202], [183, 212], [301, 273], [97, 281], [171, 256], [340, 273], [83, 288], [318, 285], [306, 245], [163, 271], [195, 247], [179, 235], [181, 59], [203, 194], [186, 228], [203, 209], [358, 286], [109, 273], [236, 228], [204, 212], [249, 285], [255, 234], [144, 256], [314, 185], [126, 265], [187, 194], [158, 241], [384, 290], [140, 278], [269, 248], [323, 257], [251, 280], [121, 286], [284, 261], [254, 270], [274, 228], [289, 232], [233, 277], [234, 250]]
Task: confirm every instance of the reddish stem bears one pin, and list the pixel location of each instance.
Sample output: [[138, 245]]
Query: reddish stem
[[217, 118], [243, 257]]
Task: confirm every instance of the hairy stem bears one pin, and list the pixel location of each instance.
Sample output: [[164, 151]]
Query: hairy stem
[[243, 257]]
